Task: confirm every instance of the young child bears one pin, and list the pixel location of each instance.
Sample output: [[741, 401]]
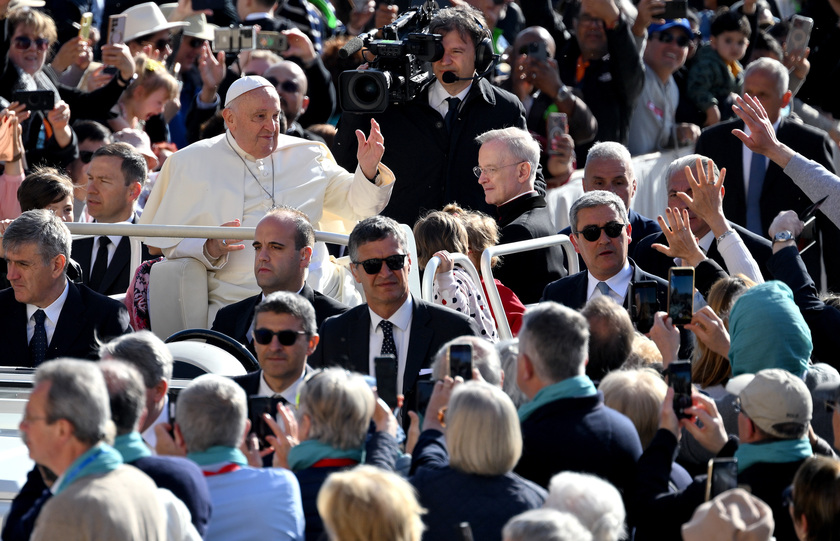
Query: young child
[[146, 96], [717, 72], [438, 234]]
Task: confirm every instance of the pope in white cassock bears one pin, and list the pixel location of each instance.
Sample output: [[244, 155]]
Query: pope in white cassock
[[235, 178]]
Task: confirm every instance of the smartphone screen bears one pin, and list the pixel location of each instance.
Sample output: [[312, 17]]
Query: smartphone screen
[[681, 294], [424, 393], [679, 378], [722, 476], [386, 379], [257, 406], [675, 9], [461, 361], [645, 305]]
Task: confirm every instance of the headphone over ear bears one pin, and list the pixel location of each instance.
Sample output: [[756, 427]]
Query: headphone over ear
[[483, 51]]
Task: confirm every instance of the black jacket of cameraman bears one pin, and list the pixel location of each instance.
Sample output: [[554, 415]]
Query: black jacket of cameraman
[[432, 166]]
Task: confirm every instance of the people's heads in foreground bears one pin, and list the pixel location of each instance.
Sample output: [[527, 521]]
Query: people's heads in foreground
[[594, 502]]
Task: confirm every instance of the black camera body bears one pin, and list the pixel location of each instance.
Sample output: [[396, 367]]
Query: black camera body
[[401, 64]]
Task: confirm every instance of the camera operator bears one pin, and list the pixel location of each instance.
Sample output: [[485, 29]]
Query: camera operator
[[432, 150]]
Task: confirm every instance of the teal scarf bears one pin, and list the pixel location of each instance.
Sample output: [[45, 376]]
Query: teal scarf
[[575, 387], [100, 458], [131, 447], [777, 452], [218, 455], [308, 452]]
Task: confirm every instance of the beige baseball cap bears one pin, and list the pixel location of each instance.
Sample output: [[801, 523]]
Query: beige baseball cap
[[734, 514], [777, 401]]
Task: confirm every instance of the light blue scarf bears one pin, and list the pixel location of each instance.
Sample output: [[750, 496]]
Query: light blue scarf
[[575, 387], [131, 447], [308, 452], [218, 455], [100, 458], [777, 452]]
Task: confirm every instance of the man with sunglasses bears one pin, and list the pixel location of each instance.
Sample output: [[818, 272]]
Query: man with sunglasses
[[601, 235], [507, 167], [653, 126], [392, 322], [291, 84]]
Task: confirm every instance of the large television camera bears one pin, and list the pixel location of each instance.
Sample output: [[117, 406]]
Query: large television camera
[[401, 64]]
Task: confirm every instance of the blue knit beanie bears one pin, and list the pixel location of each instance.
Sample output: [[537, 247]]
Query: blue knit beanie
[[767, 330]]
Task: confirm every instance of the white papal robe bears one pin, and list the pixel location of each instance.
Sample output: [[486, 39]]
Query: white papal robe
[[207, 183]]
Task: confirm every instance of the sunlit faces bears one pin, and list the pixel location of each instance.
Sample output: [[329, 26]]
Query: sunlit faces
[[665, 56], [151, 104], [254, 121], [109, 199], [63, 209], [458, 58], [278, 265], [39, 435], [612, 175], [761, 84], [679, 183], [502, 177], [730, 45], [282, 365], [34, 280], [290, 83], [606, 256], [386, 289], [31, 59]]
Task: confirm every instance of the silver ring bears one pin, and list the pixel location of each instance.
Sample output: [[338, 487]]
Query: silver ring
[[684, 229], [224, 242]]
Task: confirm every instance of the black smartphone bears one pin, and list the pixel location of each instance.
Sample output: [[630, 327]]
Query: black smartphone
[[35, 100], [808, 236], [645, 304], [722, 476], [461, 361], [679, 378], [171, 411], [257, 406], [423, 395], [536, 50], [386, 379], [675, 9], [199, 5], [681, 294]]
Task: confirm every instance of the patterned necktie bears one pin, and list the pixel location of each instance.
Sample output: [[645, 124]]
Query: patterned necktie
[[100, 265], [38, 344], [449, 120], [389, 347], [603, 288], [757, 171]]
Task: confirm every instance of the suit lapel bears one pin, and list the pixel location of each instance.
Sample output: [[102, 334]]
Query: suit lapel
[[16, 349], [70, 322], [117, 266], [358, 341], [81, 253], [418, 344], [244, 323]]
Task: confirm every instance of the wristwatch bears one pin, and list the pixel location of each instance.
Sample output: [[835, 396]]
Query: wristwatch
[[782, 236], [563, 94]]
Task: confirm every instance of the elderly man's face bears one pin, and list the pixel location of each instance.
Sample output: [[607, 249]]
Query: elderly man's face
[[679, 183], [612, 175], [502, 177], [34, 280], [278, 265], [254, 121], [290, 82], [39, 436], [282, 365], [761, 84], [604, 256]]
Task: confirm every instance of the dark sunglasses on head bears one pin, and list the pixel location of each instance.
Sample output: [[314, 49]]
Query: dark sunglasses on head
[[195, 43], [593, 232], [373, 266], [666, 37], [23, 43], [85, 156], [286, 86], [286, 338]]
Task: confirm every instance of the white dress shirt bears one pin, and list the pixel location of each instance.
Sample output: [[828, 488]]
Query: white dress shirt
[[618, 284], [52, 311]]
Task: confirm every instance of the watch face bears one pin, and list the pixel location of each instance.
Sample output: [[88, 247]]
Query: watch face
[[782, 236]]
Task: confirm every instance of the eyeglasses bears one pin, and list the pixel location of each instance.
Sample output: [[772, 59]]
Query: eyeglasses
[[490, 170], [85, 156], [160, 44], [286, 338], [23, 43], [585, 18], [195, 43], [373, 266], [29, 420], [667, 37], [593, 232], [737, 406], [290, 87]]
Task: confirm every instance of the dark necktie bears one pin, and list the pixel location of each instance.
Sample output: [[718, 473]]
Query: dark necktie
[[449, 120], [757, 171], [100, 265], [389, 347], [38, 344]]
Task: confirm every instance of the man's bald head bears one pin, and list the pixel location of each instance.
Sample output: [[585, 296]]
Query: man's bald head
[[291, 84], [535, 34]]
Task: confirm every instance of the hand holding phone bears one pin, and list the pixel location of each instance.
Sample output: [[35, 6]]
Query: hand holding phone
[[645, 304], [460, 361], [722, 475], [681, 295], [679, 378]]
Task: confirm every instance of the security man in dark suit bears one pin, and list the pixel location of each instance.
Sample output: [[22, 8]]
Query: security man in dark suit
[[283, 243], [115, 178], [392, 322], [43, 315]]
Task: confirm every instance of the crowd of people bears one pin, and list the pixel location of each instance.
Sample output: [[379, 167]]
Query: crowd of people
[[374, 414]]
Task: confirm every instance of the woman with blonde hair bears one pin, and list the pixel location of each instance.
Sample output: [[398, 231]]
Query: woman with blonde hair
[[464, 460]]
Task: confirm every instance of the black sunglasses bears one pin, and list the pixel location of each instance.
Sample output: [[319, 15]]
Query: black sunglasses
[[23, 43], [195, 43], [665, 37], [286, 338], [85, 156], [160, 44], [593, 232], [286, 86], [373, 266]]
